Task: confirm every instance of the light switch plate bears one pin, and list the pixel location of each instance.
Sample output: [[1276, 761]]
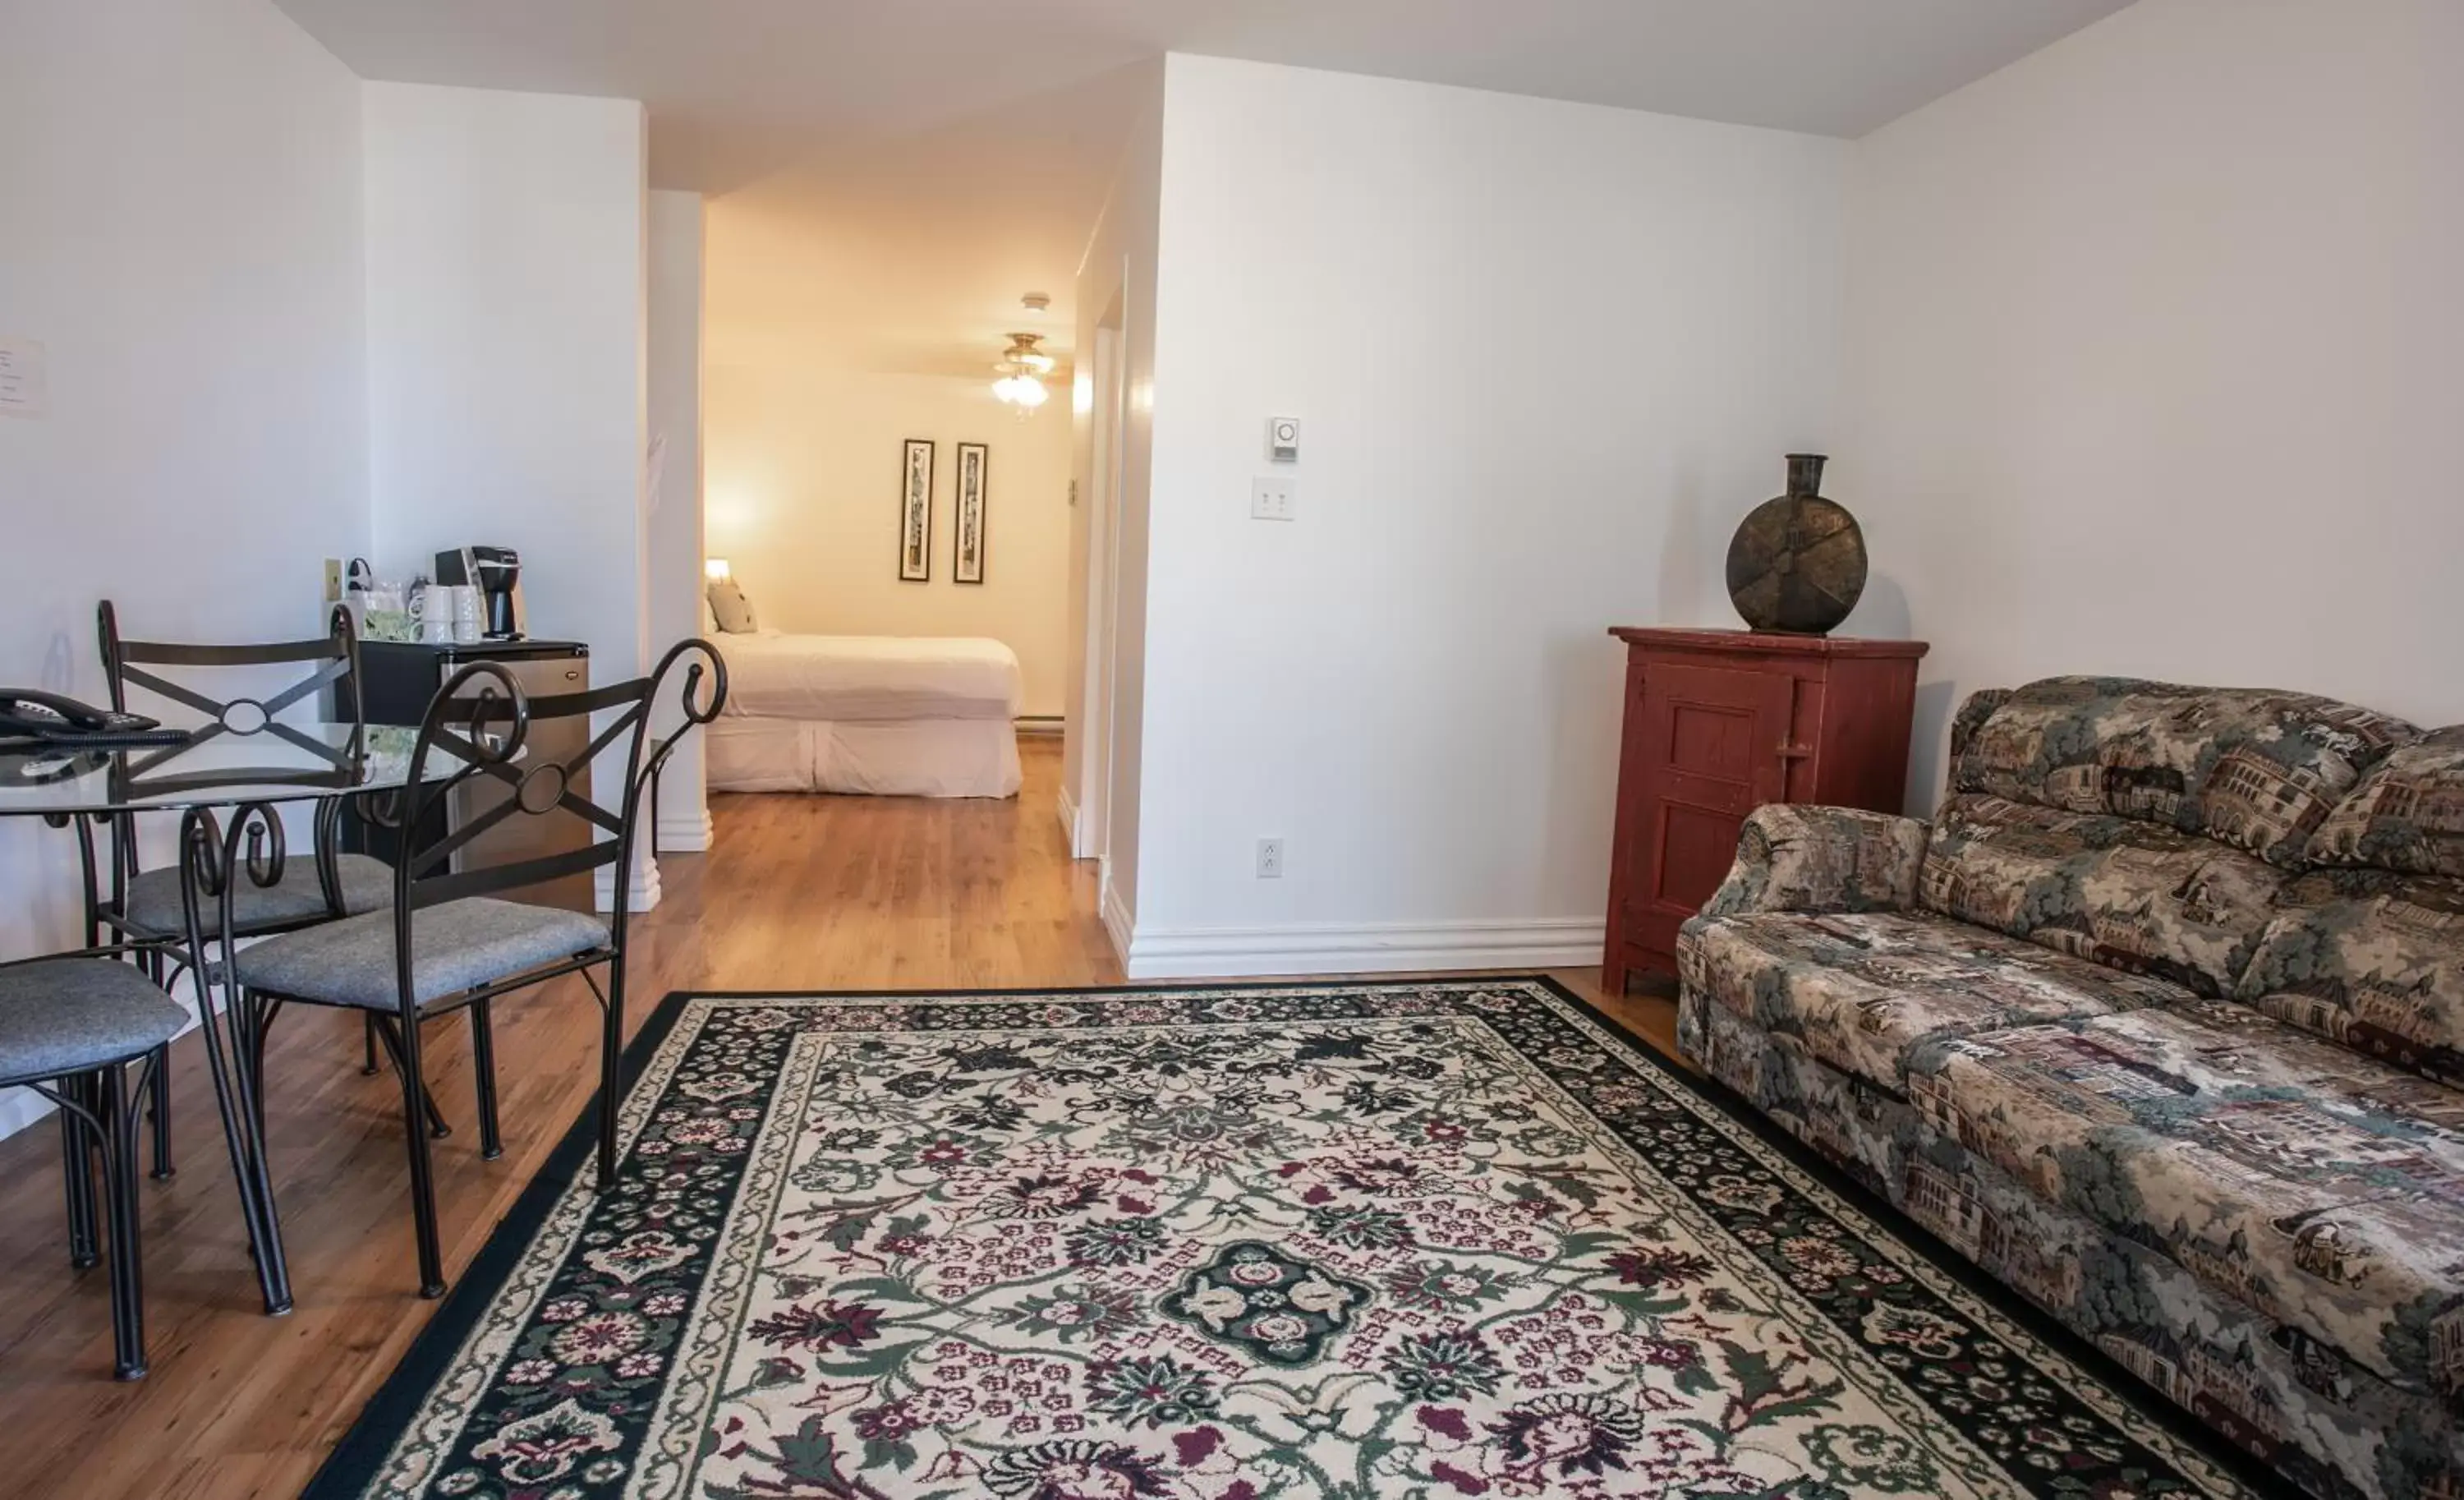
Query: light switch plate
[[1271, 497]]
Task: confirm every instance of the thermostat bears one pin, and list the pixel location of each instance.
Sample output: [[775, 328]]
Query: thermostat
[[1284, 439]]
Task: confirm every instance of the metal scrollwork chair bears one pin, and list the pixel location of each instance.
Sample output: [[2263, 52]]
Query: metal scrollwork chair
[[144, 907], [69, 1028], [448, 941]]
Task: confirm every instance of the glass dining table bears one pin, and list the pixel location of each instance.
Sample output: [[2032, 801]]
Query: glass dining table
[[228, 790]]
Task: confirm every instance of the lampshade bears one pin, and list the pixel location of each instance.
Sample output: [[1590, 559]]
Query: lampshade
[[714, 568]]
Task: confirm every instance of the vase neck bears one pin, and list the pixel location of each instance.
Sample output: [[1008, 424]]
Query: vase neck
[[1805, 475]]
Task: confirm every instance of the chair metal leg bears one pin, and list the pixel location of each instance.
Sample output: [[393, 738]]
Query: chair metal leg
[[119, 1150], [157, 1092], [260, 1016], [402, 1040], [611, 1052], [483, 1062], [77, 1174], [368, 1046], [383, 1031], [158, 1084]]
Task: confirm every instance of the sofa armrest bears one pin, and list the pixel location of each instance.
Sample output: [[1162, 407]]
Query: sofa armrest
[[1799, 858]]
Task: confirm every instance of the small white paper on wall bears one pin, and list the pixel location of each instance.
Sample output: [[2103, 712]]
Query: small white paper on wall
[[22, 379]]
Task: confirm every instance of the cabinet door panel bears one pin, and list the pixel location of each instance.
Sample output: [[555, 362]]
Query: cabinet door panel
[[1711, 743]]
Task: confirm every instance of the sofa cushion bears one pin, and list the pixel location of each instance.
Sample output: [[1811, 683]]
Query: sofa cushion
[[2133, 895], [2321, 1189], [2369, 959], [2254, 768], [1870, 993], [2407, 814]]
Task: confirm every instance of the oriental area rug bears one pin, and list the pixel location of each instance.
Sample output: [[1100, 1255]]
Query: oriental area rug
[[1221, 1243]]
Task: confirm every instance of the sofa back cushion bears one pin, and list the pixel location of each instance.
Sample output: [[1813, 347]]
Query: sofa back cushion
[[2407, 814], [2372, 959], [2130, 895], [2258, 769]]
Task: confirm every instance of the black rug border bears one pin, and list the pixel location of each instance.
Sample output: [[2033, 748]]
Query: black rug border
[[389, 1413]]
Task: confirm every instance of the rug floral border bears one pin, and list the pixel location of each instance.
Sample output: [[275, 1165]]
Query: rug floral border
[[470, 1337]]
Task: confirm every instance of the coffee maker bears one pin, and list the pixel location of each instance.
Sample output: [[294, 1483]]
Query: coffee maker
[[498, 574]]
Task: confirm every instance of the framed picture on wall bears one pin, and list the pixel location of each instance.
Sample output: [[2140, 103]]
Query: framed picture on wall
[[916, 512], [967, 562]]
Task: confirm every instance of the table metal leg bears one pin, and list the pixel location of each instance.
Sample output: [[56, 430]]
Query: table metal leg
[[210, 859]]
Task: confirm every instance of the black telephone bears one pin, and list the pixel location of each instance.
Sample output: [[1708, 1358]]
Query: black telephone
[[49, 718]]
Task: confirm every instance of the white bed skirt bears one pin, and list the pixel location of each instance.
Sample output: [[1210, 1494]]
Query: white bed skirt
[[888, 758]]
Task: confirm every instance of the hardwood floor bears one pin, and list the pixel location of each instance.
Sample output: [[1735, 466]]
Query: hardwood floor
[[822, 893]]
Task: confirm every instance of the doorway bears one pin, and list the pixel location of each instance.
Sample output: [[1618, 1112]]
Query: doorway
[[1091, 838]]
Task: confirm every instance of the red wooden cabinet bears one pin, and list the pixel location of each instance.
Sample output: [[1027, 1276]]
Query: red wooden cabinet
[[1719, 722]]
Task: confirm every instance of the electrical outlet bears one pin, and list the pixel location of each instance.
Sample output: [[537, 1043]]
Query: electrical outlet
[[1271, 859], [333, 581], [1271, 499]]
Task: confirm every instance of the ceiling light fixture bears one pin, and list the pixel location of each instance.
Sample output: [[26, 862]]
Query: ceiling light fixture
[[1022, 368]]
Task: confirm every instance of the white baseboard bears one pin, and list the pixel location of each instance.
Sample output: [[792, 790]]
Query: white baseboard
[[1118, 924], [20, 1108], [686, 835], [1068, 808], [642, 897], [1369, 948]]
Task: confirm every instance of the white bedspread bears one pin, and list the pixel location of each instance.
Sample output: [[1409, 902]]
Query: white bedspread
[[772, 674]]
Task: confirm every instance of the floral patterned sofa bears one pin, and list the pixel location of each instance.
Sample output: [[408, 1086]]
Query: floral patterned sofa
[[2161, 1022]]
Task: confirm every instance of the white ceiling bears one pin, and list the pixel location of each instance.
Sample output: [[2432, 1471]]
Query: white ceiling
[[936, 155]]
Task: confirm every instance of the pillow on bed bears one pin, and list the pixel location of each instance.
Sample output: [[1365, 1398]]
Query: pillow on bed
[[734, 611]]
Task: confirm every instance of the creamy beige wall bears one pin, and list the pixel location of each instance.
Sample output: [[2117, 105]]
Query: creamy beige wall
[[1411, 683], [2152, 360], [181, 229], [802, 471]]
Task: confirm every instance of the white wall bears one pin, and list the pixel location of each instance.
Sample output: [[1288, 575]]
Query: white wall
[[674, 603], [2153, 359], [180, 226], [804, 503], [505, 295], [1546, 355], [1117, 279]]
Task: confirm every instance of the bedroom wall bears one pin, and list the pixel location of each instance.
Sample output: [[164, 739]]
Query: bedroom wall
[[804, 485], [1545, 355], [2152, 358], [180, 227]]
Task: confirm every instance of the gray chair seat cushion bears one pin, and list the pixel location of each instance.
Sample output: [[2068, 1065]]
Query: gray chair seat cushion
[[61, 1016], [455, 946], [298, 896]]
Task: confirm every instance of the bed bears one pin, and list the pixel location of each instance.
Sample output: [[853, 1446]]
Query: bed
[[884, 716]]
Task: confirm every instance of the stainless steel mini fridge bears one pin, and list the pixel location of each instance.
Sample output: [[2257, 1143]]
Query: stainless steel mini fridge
[[401, 678]]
